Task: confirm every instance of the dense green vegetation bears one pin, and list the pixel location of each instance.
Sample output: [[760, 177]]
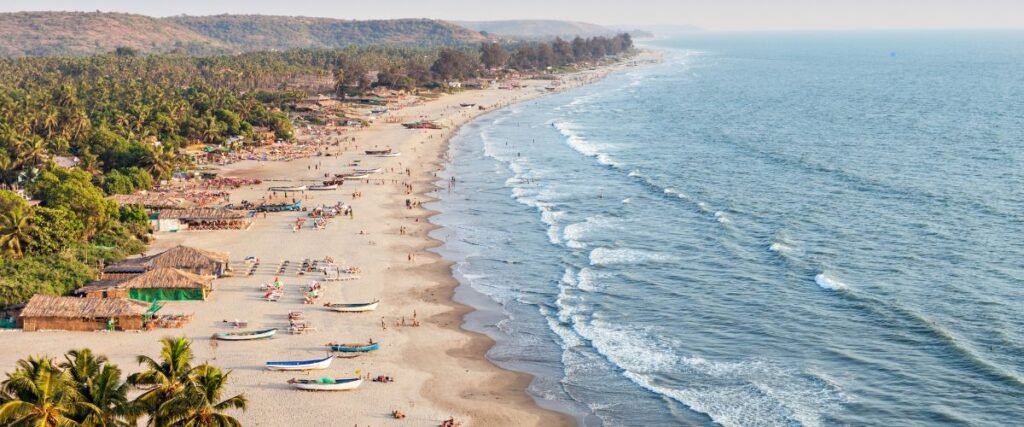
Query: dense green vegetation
[[127, 119], [258, 32], [535, 29], [85, 389], [90, 33]]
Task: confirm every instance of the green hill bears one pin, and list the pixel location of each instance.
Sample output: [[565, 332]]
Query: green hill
[[284, 32], [537, 29], [84, 33]]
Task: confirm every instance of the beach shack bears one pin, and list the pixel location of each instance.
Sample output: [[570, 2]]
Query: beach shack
[[44, 312], [203, 219], [159, 284], [189, 259]]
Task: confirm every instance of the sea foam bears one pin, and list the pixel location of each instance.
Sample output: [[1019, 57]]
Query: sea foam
[[624, 256], [827, 281]]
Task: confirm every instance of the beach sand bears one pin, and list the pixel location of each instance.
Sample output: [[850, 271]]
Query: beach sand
[[440, 370]]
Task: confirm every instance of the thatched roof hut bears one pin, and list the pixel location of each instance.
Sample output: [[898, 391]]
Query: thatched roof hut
[[207, 218], [203, 214], [158, 284], [152, 201], [192, 260], [44, 312]]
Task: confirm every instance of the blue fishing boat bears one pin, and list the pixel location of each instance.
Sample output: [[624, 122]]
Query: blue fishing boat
[[301, 365], [355, 348]]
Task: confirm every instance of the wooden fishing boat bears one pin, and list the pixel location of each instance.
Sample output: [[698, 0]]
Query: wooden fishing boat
[[323, 187], [301, 365], [368, 171], [422, 124], [355, 348], [390, 155], [289, 189], [327, 384], [353, 176], [353, 308], [245, 335], [378, 152], [284, 207]]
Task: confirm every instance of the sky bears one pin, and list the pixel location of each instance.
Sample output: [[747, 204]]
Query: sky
[[723, 15]]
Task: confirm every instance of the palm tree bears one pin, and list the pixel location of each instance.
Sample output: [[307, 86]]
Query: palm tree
[[15, 232], [200, 404], [165, 378], [41, 395], [160, 162], [32, 152], [99, 383]]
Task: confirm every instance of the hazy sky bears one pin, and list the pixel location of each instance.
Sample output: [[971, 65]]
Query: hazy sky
[[708, 14]]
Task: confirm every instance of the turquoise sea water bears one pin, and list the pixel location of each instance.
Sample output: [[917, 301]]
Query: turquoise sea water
[[764, 229]]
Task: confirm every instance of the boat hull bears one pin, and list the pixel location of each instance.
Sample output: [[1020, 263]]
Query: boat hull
[[323, 188], [340, 385], [288, 189], [350, 348], [354, 308], [308, 365], [240, 336]]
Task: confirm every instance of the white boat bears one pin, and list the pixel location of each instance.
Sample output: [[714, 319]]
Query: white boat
[[323, 187], [369, 171], [356, 177], [301, 365], [288, 189], [353, 308], [245, 335], [389, 155], [327, 384]]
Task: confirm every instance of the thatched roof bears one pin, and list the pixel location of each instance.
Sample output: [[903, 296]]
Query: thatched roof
[[159, 278], [152, 201], [186, 256], [203, 214], [167, 278], [71, 307], [183, 257]]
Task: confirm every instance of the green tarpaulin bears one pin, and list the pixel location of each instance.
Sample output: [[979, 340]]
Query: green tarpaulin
[[158, 294]]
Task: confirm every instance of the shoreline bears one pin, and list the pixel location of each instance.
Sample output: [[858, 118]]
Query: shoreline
[[441, 368], [483, 342]]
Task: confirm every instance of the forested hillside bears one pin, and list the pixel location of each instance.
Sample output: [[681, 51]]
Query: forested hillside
[[537, 29], [87, 33]]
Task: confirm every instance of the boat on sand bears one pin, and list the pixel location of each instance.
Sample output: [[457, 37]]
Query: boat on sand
[[354, 348], [301, 365], [327, 384], [289, 189], [353, 308], [245, 335]]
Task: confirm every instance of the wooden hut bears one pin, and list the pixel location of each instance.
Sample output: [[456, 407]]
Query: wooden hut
[[44, 312], [192, 260], [152, 201], [158, 284], [207, 218]]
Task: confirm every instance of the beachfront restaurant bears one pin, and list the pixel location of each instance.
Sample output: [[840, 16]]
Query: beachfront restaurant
[[192, 260], [44, 312], [202, 219], [159, 284]]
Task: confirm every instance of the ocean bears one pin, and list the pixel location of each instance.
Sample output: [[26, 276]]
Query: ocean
[[762, 230]]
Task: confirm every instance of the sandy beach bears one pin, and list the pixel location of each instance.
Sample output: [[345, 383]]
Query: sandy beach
[[440, 370]]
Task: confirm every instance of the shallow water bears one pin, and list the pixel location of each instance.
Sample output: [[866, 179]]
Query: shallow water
[[771, 229]]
